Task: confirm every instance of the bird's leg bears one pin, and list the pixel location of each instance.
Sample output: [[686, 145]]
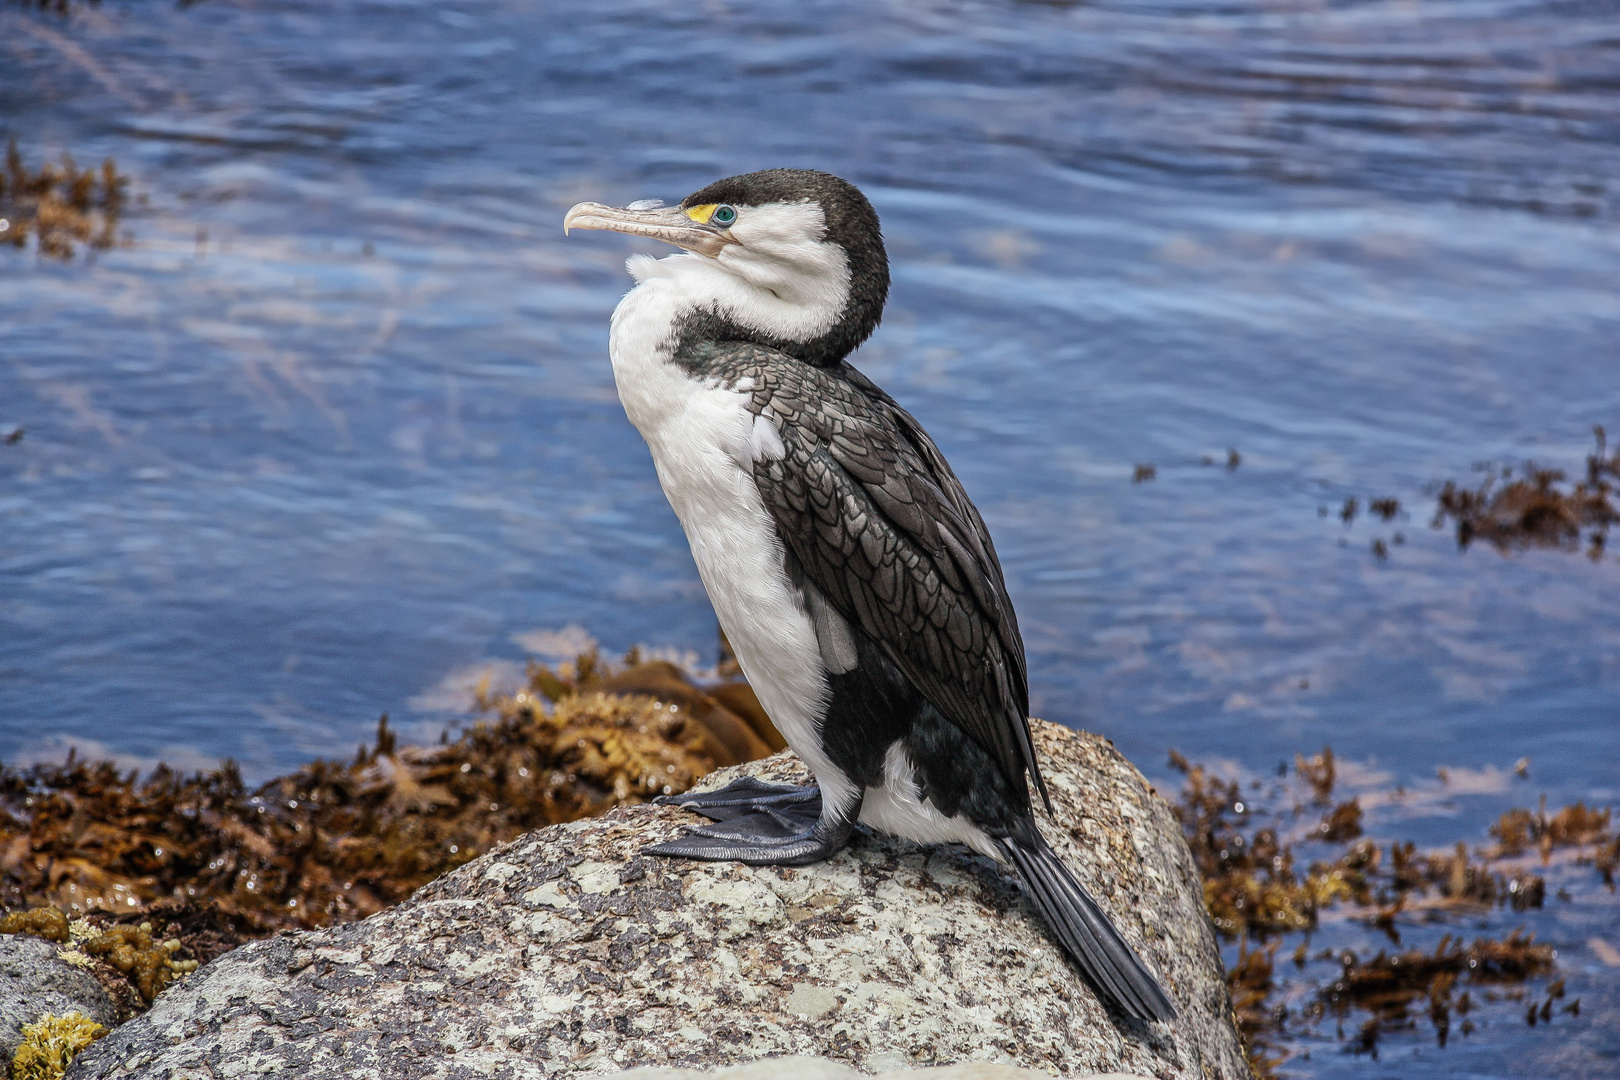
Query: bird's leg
[[762, 825]]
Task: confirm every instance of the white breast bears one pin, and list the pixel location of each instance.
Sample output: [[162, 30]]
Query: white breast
[[704, 441]]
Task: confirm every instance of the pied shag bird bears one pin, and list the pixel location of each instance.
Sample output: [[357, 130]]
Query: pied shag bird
[[853, 577]]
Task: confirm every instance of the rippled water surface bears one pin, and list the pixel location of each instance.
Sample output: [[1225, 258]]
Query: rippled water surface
[[338, 430]]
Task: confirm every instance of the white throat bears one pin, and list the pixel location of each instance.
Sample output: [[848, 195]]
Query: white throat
[[781, 278]]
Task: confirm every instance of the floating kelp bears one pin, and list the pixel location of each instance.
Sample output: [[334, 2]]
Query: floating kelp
[[338, 841], [1574, 826], [1386, 509], [1539, 509], [1256, 893], [1390, 987], [59, 204], [1251, 884]]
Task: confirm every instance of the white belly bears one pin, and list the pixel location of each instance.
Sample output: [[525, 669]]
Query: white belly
[[897, 808]]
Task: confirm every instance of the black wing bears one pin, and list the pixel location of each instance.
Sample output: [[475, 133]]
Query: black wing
[[879, 522]]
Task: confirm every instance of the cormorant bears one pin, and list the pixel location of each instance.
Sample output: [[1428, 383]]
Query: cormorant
[[853, 577]]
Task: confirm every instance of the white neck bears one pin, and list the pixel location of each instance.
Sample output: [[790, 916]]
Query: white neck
[[775, 298], [642, 335]]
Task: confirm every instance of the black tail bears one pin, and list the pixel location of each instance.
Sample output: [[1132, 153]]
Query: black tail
[[1087, 935]]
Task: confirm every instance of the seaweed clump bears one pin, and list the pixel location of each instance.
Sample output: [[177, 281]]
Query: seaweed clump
[[148, 964], [1256, 892], [60, 204], [1538, 509], [337, 841], [132, 963], [1251, 984], [1390, 986], [50, 1044], [1252, 885], [45, 922], [1518, 829]]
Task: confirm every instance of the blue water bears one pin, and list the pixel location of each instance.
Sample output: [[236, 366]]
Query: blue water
[[338, 429]]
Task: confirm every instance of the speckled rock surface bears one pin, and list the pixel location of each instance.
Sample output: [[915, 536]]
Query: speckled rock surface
[[800, 1068], [564, 952], [35, 981]]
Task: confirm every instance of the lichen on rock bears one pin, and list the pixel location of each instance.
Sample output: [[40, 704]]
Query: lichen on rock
[[822, 1069], [35, 982], [565, 952]]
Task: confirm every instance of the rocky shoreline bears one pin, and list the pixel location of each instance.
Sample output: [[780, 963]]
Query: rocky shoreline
[[566, 953], [134, 883]]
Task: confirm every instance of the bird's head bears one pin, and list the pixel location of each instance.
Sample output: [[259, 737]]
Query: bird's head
[[791, 258]]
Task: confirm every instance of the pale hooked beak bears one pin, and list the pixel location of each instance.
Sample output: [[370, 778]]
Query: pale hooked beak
[[667, 223]]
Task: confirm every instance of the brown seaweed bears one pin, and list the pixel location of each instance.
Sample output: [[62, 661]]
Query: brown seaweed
[[1251, 984], [337, 841], [1342, 823], [1255, 893], [1393, 987], [1319, 772], [1252, 886], [1386, 509], [45, 922], [60, 204], [1539, 509], [1518, 829], [146, 878]]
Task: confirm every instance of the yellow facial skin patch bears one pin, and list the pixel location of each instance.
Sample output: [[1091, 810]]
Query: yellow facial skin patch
[[701, 214]]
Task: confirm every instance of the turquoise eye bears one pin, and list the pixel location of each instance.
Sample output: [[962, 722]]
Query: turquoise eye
[[724, 215]]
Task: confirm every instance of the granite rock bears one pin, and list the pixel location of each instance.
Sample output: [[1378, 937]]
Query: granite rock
[[36, 981], [799, 1068], [565, 952]]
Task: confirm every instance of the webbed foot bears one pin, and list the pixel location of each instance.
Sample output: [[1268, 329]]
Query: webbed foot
[[759, 824], [748, 796]]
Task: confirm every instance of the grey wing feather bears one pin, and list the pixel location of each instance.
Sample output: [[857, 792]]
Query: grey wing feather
[[881, 525]]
